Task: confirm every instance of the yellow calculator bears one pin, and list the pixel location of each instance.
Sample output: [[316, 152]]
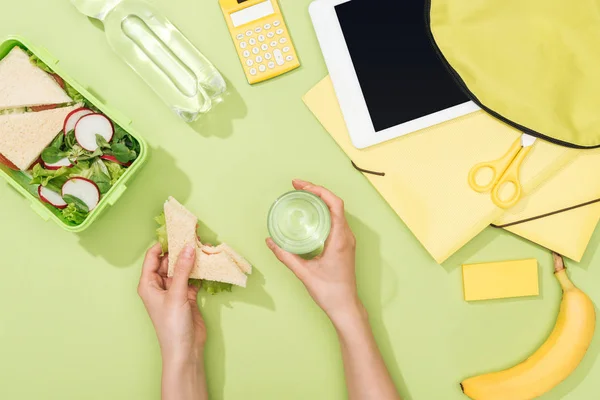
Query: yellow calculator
[[261, 38]]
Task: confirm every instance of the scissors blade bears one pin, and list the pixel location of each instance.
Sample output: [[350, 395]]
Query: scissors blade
[[527, 140]]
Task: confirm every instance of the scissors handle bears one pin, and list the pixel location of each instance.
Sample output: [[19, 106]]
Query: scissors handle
[[498, 168], [511, 177]]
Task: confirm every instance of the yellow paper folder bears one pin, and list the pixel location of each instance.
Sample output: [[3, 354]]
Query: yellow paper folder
[[552, 216], [426, 172], [500, 280]]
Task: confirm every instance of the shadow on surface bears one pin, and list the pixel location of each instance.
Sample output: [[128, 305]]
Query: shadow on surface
[[591, 251], [125, 230], [482, 240], [218, 121], [377, 285], [212, 309]]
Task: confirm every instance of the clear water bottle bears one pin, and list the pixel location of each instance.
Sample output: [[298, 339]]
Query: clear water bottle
[[153, 47]]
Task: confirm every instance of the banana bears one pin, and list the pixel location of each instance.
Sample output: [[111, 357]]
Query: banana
[[554, 361]]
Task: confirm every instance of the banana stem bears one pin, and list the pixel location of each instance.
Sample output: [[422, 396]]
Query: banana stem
[[560, 272], [559, 263]]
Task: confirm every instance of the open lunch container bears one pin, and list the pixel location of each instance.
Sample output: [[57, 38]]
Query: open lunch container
[[21, 181]]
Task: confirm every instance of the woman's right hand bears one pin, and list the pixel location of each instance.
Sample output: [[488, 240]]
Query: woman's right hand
[[329, 278]]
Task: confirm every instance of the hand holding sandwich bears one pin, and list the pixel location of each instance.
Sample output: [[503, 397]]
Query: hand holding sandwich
[[173, 309], [330, 279]]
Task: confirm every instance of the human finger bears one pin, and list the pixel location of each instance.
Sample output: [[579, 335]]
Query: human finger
[[294, 262], [183, 268]]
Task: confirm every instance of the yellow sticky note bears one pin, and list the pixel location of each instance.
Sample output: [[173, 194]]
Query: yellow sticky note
[[501, 280]]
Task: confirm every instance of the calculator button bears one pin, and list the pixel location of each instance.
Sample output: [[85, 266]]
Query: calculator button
[[279, 31], [258, 29], [248, 33], [276, 23], [255, 50], [267, 26], [264, 47], [259, 59], [262, 68], [283, 40], [278, 57], [261, 38], [274, 43], [252, 41], [270, 35], [249, 62], [243, 45], [271, 65], [252, 71], [286, 49], [246, 53], [268, 56], [240, 36], [289, 58]]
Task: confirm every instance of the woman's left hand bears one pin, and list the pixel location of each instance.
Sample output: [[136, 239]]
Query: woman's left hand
[[173, 307]]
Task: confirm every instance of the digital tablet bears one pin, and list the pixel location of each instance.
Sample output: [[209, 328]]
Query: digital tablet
[[388, 78]]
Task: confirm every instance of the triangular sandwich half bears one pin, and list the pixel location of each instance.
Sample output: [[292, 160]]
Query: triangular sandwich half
[[23, 84]]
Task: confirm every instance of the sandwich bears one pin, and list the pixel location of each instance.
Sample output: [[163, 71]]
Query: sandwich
[[218, 267], [24, 136], [23, 84]]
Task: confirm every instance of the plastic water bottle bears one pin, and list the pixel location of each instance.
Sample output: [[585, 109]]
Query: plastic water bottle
[[153, 47]]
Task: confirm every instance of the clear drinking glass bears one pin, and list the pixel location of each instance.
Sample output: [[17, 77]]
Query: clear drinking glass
[[153, 47], [299, 222]]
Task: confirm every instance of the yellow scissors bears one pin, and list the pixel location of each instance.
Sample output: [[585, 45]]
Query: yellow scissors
[[505, 170]]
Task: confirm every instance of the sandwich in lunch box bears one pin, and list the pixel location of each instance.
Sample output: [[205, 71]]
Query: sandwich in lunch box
[[73, 153], [218, 267]]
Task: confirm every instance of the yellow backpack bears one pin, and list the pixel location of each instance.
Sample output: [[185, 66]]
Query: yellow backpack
[[534, 64]]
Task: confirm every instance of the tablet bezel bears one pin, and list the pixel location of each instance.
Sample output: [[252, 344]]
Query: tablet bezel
[[347, 86]]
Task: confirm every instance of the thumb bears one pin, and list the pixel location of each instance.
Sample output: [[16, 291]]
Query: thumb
[[294, 262], [183, 268]]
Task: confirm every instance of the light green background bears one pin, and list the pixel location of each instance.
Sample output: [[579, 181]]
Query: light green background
[[72, 326]]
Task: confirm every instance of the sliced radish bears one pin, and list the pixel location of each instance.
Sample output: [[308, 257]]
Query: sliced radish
[[84, 189], [51, 197], [65, 162], [73, 117], [91, 125], [114, 159]]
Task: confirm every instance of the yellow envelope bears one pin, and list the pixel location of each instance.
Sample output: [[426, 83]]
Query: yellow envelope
[[553, 215], [426, 172]]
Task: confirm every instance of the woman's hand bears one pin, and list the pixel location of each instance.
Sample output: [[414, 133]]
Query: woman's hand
[[331, 281], [329, 278], [173, 307]]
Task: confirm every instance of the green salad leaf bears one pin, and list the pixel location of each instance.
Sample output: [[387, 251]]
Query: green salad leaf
[[115, 171], [123, 153], [73, 215], [39, 63], [210, 287], [101, 142], [161, 232], [75, 95], [51, 155], [53, 179], [77, 202], [213, 288]]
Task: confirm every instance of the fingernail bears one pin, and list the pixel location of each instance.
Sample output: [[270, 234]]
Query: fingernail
[[188, 251], [300, 182], [269, 242]]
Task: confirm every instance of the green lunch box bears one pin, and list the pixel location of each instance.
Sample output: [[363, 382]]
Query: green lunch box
[[20, 180]]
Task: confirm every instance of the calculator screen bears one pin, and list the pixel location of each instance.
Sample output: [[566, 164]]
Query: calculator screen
[[252, 13], [401, 76]]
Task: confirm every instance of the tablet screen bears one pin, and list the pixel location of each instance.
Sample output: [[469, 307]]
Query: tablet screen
[[401, 76]]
